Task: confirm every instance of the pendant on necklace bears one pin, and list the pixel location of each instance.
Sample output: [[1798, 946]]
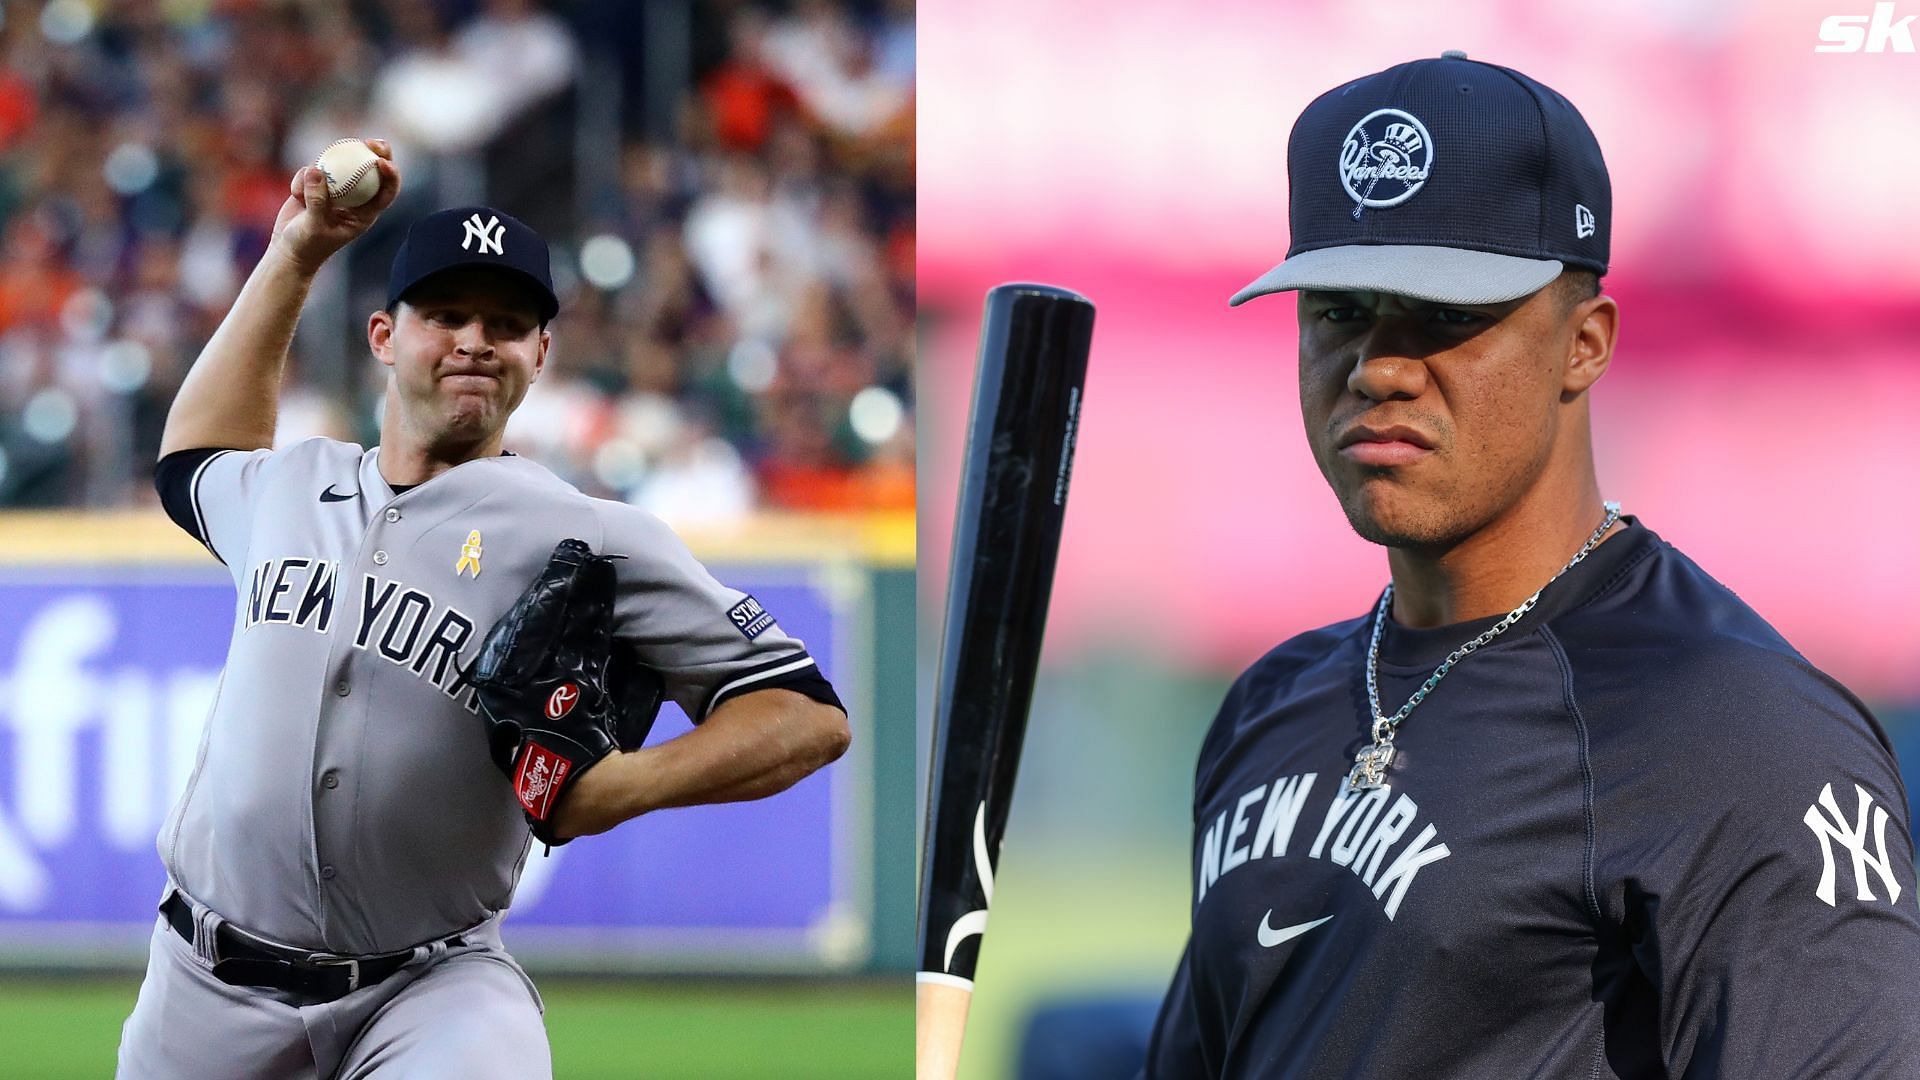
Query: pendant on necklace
[[1370, 767]]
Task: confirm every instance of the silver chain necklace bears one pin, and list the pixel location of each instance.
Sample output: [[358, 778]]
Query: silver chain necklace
[[1370, 764]]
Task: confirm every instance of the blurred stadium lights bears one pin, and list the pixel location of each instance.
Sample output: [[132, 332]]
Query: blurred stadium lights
[[876, 414], [607, 262], [125, 366], [752, 364], [86, 316], [620, 463], [651, 422], [66, 22], [49, 416], [131, 168]]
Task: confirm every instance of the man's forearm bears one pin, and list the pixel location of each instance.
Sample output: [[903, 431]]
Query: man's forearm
[[230, 397], [753, 746]]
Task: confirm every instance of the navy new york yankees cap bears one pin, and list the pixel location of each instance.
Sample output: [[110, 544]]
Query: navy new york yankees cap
[[1448, 180], [472, 236]]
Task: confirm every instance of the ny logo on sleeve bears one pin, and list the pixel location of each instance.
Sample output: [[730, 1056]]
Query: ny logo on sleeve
[[1831, 826]]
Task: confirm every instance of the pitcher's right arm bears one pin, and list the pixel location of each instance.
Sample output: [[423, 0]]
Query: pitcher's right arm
[[230, 397]]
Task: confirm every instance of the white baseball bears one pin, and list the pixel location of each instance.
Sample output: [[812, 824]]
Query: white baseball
[[353, 177]]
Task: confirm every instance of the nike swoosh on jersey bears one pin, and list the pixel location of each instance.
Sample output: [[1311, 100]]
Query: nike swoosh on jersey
[[1271, 937], [330, 495]]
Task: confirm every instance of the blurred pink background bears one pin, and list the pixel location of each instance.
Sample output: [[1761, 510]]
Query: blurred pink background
[[1766, 253]]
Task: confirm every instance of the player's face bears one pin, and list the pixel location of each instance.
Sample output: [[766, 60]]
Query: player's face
[[1429, 420], [464, 346]]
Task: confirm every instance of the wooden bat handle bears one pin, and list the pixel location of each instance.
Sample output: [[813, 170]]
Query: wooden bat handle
[[940, 1021]]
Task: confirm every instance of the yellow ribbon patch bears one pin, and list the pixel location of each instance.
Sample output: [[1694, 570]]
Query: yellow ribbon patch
[[469, 555]]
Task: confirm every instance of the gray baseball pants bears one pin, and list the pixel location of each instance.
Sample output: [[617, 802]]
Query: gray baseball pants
[[469, 1012]]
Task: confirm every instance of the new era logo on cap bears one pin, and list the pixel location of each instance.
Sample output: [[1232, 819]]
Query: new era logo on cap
[[1455, 181]]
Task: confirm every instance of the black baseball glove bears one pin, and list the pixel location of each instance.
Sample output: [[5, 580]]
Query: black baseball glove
[[556, 692]]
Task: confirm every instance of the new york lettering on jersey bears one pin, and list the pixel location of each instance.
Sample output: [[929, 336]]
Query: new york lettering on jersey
[[1276, 811], [405, 626], [1299, 879], [1354, 833]]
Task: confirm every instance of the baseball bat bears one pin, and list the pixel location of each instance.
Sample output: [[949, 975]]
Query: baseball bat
[[1034, 341]]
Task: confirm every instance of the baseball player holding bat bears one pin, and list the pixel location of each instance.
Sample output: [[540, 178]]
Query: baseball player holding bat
[[441, 653], [1558, 804]]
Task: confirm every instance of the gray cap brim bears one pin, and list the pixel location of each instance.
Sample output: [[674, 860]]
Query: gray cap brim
[[1441, 275]]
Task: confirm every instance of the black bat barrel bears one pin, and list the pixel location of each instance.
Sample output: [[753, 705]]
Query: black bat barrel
[[1034, 342]]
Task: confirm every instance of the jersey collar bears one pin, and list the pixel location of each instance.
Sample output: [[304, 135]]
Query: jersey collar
[[1406, 647]]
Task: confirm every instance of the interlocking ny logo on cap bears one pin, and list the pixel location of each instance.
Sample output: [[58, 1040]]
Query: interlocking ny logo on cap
[[1386, 158], [490, 234]]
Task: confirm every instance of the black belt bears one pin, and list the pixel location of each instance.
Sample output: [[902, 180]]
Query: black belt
[[243, 960]]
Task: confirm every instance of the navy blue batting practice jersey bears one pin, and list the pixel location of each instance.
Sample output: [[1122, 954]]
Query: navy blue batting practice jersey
[[1638, 835]]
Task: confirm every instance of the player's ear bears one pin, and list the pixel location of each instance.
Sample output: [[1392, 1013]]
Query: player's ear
[[380, 336], [540, 358], [1596, 326]]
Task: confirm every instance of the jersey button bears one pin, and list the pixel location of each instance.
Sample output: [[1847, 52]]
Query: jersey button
[[330, 779], [342, 689], [393, 513], [327, 872], [379, 558]]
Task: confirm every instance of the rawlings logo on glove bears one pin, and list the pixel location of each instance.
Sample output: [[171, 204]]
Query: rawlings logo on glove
[[556, 692], [541, 774]]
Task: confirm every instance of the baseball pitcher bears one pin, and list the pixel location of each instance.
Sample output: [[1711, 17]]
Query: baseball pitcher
[[441, 654]]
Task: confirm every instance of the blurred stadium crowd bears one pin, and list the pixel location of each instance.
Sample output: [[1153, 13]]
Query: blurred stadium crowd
[[728, 188]]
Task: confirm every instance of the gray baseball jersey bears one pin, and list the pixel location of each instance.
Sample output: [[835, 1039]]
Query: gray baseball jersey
[[344, 798]]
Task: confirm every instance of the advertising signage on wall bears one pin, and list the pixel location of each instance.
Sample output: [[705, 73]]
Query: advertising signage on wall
[[106, 675]]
